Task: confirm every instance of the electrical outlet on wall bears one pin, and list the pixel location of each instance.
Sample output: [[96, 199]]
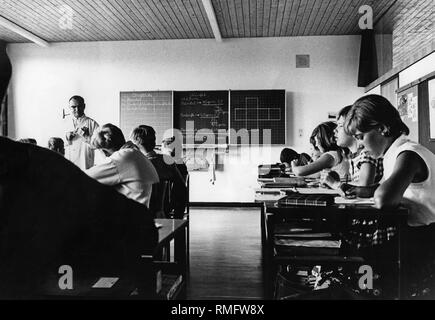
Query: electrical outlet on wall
[[301, 133]]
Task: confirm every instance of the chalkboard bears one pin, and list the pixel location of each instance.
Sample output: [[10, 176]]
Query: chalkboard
[[198, 110], [257, 111], [152, 108]]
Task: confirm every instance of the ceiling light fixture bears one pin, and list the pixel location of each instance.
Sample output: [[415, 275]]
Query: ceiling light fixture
[[212, 19]]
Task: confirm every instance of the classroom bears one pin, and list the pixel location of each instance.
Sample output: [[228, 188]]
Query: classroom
[[219, 88]]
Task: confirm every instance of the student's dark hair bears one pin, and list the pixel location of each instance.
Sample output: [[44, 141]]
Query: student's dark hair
[[288, 155], [130, 145], [313, 143], [304, 159], [144, 136], [344, 112], [56, 144], [326, 135], [375, 112], [108, 137], [28, 140], [79, 99]]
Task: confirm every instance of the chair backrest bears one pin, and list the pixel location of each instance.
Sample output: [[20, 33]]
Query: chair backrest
[[157, 201], [186, 212], [179, 197]]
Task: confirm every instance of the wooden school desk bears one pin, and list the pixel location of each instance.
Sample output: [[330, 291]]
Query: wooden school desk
[[337, 218], [153, 277]]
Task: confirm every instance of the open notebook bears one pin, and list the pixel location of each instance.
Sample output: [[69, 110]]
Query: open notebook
[[359, 201]]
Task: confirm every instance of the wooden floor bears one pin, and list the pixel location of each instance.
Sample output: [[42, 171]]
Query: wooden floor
[[225, 254]]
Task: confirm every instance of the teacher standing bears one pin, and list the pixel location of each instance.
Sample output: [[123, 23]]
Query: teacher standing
[[80, 151]]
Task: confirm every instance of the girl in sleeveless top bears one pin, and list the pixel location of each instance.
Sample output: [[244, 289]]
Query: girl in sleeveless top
[[332, 156], [409, 179]]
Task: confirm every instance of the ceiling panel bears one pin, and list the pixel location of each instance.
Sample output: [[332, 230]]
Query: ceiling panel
[[112, 20]]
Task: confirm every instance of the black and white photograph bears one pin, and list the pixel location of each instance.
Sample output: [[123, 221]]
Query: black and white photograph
[[213, 156]]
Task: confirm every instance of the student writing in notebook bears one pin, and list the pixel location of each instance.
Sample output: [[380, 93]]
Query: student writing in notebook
[[409, 179], [365, 170], [333, 157]]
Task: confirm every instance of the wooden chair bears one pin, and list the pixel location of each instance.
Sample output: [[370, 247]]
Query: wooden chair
[[158, 196], [176, 201]]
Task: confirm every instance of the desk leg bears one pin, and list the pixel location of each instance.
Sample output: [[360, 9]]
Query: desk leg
[[180, 251], [263, 231], [269, 268], [181, 258], [187, 241], [401, 259], [264, 249]]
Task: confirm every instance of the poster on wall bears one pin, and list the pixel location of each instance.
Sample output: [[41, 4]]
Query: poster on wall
[[407, 105], [432, 108]]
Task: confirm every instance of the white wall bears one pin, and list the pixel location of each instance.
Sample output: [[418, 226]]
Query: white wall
[[44, 78], [375, 90], [417, 70]]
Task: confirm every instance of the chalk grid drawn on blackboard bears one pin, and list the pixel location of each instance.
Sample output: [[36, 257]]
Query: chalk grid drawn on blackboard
[[259, 110]]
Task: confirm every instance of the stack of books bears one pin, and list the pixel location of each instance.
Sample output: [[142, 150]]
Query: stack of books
[[313, 199], [307, 242], [308, 247], [289, 182]]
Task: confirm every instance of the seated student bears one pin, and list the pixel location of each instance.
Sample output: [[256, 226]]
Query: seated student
[[127, 170], [53, 214], [145, 138], [305, 158], [333, 157], [365, 171], [28, 140], [409, 173], [288, 155], [57, 145], [172, 147]]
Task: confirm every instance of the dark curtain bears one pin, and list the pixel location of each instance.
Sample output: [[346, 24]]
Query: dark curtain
[[5, 75], [368, 64]]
